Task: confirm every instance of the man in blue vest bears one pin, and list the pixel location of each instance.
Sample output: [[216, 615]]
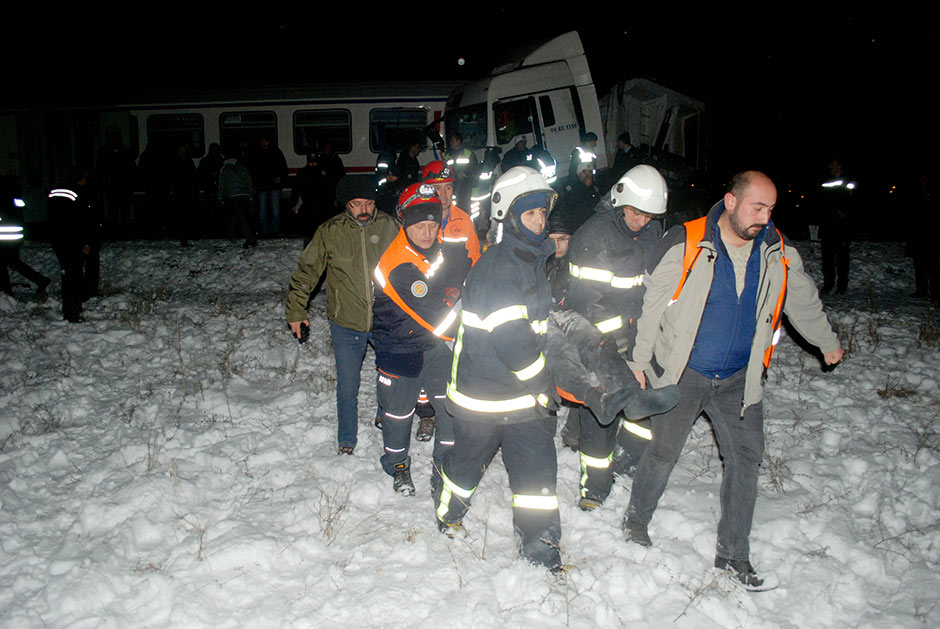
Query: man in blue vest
[[711, 318]]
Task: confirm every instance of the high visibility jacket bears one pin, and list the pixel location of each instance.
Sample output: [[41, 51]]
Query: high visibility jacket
[[607, 263], [460, 244], [499, 372], [462, 161], [668, 327], [348, 251], [411, 315], [74, 220]]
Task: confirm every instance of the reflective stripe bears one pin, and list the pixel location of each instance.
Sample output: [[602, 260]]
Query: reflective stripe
[[10, 229], [604, 276], [534, 502], [835, 183], [540, 327], [542, 399], [776, 338], [591, 461], [446, 323], [381, 165], [495, 319], [401, 416], [460, 160], [627, 282], [491, 406], [379, 277], [448, 239], [387, 449], [532, 370], [63, 193], [11, 236], [449, 488], [614, 323], [588, 273], [636, 429]]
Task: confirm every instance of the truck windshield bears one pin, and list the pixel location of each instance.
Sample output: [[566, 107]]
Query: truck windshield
[[470, 122]]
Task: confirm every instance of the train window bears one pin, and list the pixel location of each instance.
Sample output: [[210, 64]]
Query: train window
[[236, 127], [170, 131], [392, 128], [470, 121], [315, 127]]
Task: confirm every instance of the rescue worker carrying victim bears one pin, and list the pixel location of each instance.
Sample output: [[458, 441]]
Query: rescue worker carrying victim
[[412, 322]]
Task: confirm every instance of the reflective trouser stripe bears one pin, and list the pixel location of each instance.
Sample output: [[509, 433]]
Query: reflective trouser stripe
[[591, 461], [609, 325], [636, 429], [535, 502], [449, 489]]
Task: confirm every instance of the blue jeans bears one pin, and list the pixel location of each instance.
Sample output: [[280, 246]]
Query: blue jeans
[[269, 208], [740, 446], [349, 350]]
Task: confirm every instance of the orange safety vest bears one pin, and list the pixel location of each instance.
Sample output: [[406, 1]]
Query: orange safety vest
[[398, 253], [694, 233], [459, 228]]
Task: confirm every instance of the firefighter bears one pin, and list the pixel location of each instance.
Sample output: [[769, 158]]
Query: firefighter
[[413, 320], [463, 163], [499, 388], [584, 154], [608, 256]]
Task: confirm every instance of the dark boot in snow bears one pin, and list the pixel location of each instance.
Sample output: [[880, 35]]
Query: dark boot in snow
[[646, 402], [451, 530], [740, 569], [636, 533], [401, 481], [425, 430]]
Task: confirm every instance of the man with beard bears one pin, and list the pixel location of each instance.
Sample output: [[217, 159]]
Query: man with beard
[[347, 247], [711, 319]]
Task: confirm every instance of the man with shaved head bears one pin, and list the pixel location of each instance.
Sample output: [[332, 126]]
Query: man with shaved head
[[711, 319]]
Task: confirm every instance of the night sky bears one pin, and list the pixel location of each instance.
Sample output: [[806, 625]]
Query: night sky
[[784, 92]]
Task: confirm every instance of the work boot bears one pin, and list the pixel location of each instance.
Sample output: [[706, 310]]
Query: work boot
[[401, 480], [451, 530], [607, 404], [589, 504], [636, 533], [740, 569], [646, 402], [425, 430]]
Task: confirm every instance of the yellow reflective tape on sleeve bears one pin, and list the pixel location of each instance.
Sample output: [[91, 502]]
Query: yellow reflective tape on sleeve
[[542, 399], [639, 431], [627, 282], [532, 370], [590, 273], [591, 461], [540, 327], [494, 319], [614, 323], [442, 327], [489, 406], [534, 502]]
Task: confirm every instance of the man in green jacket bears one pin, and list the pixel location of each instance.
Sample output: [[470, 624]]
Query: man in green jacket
[[347, 247]]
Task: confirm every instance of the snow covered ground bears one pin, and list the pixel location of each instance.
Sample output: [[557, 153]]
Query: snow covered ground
[[171, 463]]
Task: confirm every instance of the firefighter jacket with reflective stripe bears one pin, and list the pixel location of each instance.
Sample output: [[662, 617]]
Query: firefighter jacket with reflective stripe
[[461, 245], [499, 372], [667, 329], [607, 264], [75, 223], [348, 251], [411, 315]]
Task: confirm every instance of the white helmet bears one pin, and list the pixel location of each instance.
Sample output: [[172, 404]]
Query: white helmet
[[643, 188], [515, 183]]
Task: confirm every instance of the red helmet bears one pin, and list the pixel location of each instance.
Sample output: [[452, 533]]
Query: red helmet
[[437, 172], [419, 202]]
